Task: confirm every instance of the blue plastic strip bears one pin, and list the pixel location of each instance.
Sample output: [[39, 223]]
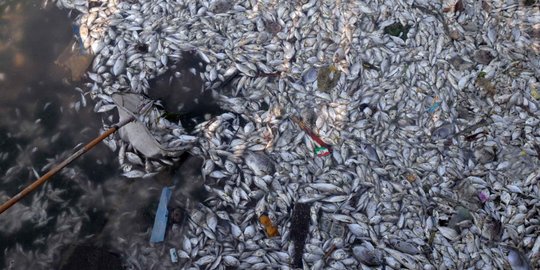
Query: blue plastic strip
[[160, 222], [434, 107], [76, 31]]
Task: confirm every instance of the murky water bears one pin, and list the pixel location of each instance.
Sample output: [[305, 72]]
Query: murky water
[[39, 125], [42, 118]]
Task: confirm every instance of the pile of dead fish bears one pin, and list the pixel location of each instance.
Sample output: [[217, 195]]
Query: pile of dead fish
[[428, 113]]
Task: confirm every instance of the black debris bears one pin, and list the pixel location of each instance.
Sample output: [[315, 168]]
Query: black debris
[[92, 258], [299, 231]]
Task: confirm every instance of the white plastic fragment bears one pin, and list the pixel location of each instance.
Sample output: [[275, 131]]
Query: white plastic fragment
[[174, 256], [135, 132]]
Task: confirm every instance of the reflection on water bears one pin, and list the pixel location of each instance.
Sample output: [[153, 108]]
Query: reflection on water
[[42, 117], [38, 126]]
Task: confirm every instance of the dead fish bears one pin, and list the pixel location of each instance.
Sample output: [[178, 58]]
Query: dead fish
[[404, 246], [260, 163], [309, 75], [368, 255], [517, 260], [370, 152]]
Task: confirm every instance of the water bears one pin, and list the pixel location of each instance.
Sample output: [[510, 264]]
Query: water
[[42, 117], [41, 120]]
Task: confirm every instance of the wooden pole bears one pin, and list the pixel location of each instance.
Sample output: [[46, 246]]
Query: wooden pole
[[60, 166]]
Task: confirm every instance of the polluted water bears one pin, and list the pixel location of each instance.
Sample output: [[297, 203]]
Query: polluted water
[[290, 134]]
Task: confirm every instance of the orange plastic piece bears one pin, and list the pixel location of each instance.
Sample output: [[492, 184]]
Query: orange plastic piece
[[265, 221], [270, 229]]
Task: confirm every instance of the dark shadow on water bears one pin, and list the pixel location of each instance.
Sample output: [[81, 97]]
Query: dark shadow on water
[[180, 92], [38, 121], [39, 126]]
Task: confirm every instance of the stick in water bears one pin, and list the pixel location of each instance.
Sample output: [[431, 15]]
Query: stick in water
[[60, 166]]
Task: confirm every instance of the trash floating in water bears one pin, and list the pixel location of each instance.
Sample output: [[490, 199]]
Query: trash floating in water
[[299, 231], [160, 221], [311, 134], [269, 227], [135, 132], [89, 257], [76, 62], [328, 78], [322, 151], [483, 197], [174, 255], [334, 228], [435, 106]]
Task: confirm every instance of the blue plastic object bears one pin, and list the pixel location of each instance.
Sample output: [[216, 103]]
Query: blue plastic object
[[160, 222], [76, 31]]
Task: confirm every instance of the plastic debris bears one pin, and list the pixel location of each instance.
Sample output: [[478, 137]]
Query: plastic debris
[[436, 104], [77, 32], [174, 256], [334, 228], [328, 78], [299, 231], [160, 222], [270, 229], [311, 134], [75, 62], [483, 197], [321, 151], [135, 132]]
